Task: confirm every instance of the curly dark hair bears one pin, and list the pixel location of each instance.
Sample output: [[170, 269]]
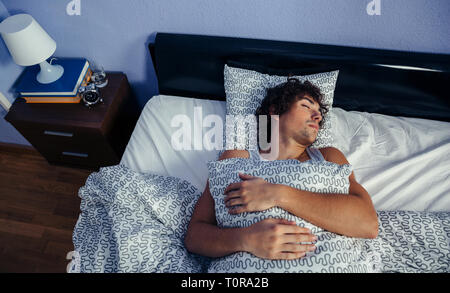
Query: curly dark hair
[[282, 96]]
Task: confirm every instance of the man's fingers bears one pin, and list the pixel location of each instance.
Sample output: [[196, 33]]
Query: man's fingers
[[294, 229], [288, 222], [246, 176], [232, 186], [299, 238], [296, 248], [292, 226], [294, 251], [233, 202], [238, 209], [231, 195], [237, 185]]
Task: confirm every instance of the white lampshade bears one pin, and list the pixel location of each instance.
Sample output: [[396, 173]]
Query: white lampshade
[[27, 41]]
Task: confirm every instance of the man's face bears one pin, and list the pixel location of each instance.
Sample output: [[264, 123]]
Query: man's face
[[301, 121]]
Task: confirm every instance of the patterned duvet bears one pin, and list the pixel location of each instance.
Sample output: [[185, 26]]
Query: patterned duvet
[[134, 222]]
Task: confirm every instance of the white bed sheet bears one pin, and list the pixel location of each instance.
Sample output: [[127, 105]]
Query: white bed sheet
[[402, 162], [150, 148]]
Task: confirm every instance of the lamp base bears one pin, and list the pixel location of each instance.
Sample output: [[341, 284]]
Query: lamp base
[[49, 73]]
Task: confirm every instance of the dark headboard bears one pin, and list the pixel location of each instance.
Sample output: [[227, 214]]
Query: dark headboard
[[377, 81]]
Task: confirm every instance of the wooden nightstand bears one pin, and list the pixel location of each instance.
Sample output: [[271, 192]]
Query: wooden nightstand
[[75, 135]]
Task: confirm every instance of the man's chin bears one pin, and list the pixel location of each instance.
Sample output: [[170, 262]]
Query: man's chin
[[313, 140]]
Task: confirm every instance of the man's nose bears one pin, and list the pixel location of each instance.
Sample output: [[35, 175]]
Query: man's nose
[[316, 116]]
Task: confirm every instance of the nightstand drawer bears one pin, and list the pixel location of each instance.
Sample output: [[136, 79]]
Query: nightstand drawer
[[93, 154], [41, 135], [70, 146]]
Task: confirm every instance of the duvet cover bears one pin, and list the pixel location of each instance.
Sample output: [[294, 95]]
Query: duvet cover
[[135, 222]]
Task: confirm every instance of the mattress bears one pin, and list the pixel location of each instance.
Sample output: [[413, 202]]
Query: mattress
[[402, 162]]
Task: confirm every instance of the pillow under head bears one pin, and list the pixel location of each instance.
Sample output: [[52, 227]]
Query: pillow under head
[[245, 89]]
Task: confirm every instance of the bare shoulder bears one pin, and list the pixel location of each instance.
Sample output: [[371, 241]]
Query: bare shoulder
[[228, 154], [334, 155]]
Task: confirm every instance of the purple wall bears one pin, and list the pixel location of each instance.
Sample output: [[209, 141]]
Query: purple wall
[[115, 33], [9, 71]]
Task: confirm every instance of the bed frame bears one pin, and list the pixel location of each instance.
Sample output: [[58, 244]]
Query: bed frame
[[388, 82]]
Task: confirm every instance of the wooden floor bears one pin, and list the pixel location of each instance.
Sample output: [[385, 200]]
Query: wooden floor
[[39, 206]]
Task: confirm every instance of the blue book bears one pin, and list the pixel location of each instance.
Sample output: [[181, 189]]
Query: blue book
[[75, 70]]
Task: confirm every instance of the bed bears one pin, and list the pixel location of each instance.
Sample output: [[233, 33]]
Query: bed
[[390, 117]]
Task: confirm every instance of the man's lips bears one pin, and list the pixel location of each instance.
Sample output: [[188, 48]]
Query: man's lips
[[314, 126]]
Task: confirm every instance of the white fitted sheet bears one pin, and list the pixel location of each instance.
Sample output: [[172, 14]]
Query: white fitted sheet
[[402, 162]]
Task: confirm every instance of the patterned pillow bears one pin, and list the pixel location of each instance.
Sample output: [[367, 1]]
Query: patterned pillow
[[245, 89], [334, 253]]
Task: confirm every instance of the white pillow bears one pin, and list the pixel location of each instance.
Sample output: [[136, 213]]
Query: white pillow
[[150, 149], [245, 89]]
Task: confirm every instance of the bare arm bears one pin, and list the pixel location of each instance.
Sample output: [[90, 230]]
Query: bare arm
[[347, 214], [204, 237], [350, 214], [271, 238]]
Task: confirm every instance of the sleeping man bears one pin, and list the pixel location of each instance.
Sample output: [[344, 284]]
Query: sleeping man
[[270, 223]]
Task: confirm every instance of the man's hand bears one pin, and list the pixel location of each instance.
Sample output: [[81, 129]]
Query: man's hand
[[278, 239], [252, 194]]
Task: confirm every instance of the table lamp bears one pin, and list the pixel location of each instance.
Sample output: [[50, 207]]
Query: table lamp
[[29, 44]]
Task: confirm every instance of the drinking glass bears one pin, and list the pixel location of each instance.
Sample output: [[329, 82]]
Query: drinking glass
[[98, 75]]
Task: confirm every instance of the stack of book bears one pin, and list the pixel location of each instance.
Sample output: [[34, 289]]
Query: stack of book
[[65, 90]]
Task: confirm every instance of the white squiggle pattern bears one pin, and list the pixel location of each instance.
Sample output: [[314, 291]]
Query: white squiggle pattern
[[413, 242], [133, 222], [334, 253]]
